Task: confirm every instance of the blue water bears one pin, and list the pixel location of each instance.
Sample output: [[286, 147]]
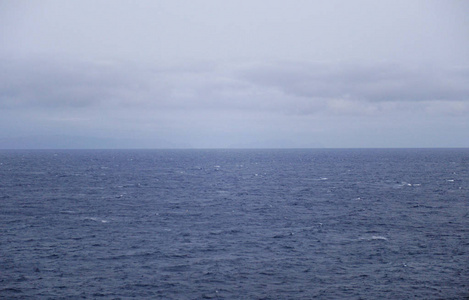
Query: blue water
[[234, 224]]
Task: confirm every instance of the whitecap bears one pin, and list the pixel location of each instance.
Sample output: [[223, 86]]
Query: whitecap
[[374, 238], [95, 219]]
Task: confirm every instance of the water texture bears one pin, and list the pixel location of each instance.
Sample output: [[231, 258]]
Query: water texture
[[234, 224]]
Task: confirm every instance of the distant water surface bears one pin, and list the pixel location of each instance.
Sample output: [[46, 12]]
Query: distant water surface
[[234, 224]]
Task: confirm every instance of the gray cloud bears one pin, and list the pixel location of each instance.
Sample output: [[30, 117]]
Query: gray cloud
[[225, 73], [229, 104], [59, 84], [382, 82], [290, 88]]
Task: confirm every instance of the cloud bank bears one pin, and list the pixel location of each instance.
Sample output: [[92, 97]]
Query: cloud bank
[[205, 104], [279, 87]]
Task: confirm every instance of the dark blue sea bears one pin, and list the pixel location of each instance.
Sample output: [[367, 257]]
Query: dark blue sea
[[234, 224]]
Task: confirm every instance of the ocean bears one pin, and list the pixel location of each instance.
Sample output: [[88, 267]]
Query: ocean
[[234, 224]]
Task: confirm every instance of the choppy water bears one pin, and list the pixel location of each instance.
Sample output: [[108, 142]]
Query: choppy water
[[235, 224]]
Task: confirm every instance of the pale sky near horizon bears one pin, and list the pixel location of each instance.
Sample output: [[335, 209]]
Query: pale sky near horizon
[[243, 74]]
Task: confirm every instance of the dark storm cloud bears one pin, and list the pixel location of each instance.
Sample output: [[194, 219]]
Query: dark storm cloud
[[385, 82]]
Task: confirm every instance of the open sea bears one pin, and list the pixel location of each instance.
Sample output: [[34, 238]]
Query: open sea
[[234, 224]]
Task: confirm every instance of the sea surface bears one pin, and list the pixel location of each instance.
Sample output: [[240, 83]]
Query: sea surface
[[234, 224]]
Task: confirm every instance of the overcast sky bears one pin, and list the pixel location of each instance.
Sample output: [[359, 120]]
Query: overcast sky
[[244, 74]]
